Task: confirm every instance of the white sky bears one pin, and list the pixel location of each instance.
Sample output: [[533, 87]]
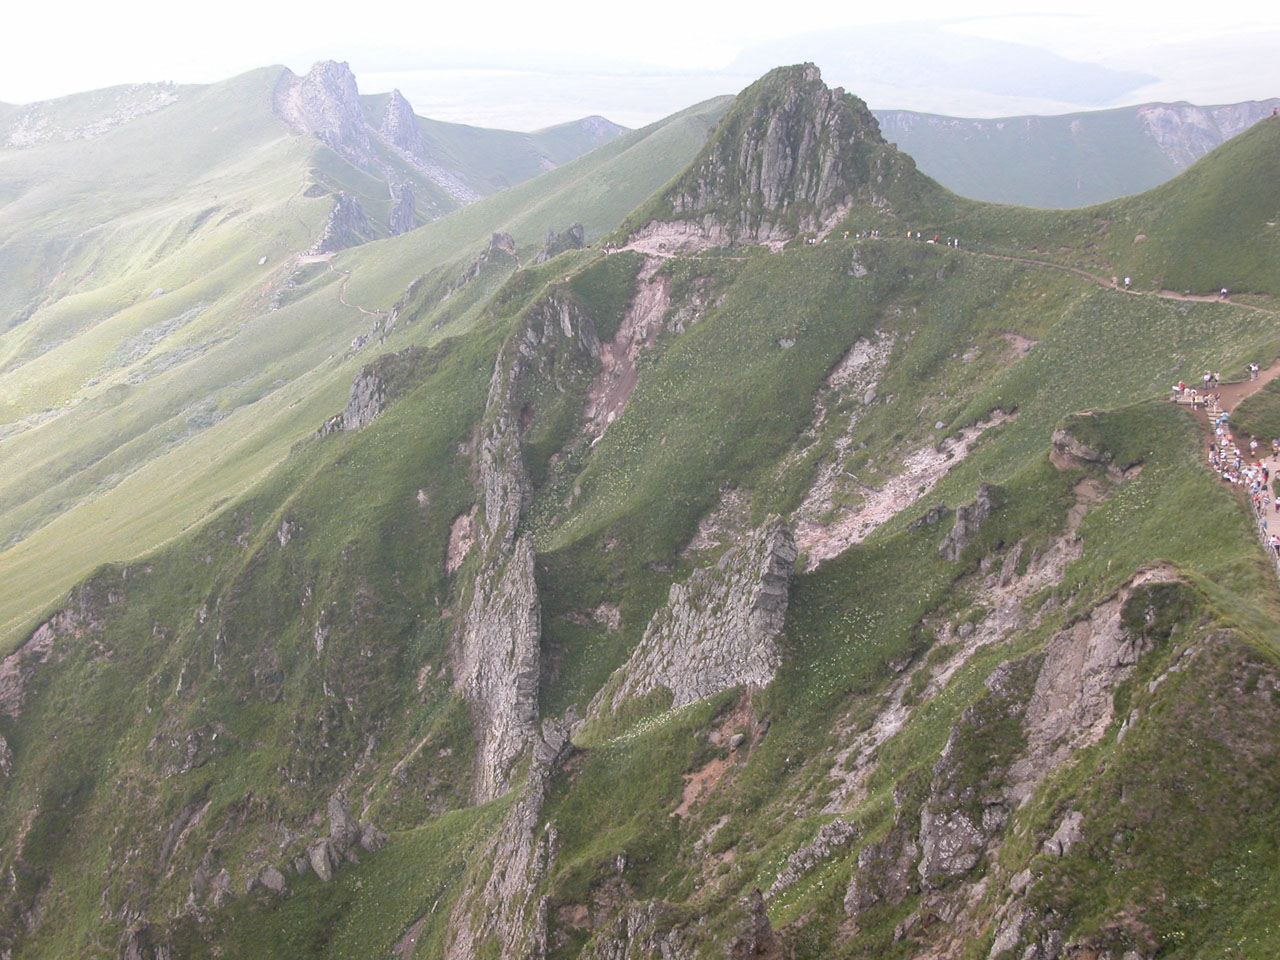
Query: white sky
[[51, 49]]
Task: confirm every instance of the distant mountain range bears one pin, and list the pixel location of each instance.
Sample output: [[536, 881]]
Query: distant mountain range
[[1071, 160]]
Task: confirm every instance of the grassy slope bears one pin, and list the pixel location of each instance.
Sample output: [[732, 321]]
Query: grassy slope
[[849, 619], [101, 486]]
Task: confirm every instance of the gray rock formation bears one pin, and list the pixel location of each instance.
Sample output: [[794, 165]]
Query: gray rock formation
[[400, 126], [499, 244], [575, 238], [503, 903], [1185, 133], [365, 404], [347, 226], [831, 838], [969, 519], [403, 216], [346, 833], [326, 103], [82, 612], [497, 659], [374, 388], [1066, 836], [638, 932], [718, 629], [790, 156], [6, 758]]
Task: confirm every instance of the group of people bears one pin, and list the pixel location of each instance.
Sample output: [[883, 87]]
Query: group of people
[[1204, 396], [1245, 467]]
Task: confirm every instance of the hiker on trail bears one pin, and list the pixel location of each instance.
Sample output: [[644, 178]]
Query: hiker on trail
[[1253, 371], [1127, 281], [1207, 379], [1223, 294]]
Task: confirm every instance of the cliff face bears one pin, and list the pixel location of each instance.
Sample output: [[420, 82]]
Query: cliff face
[[326, 103], [1185, 133], [718, 629]]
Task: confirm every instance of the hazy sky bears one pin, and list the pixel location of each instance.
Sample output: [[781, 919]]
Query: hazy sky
[[642, 59]]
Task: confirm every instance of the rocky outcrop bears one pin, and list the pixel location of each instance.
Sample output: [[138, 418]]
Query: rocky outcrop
[[969, 519], [326, 104], [497, 659], [641, 931], [347, 226], [755, 937], [400, 126], [403, 218], [6, 758], [500, 244], [790, 156], [499, 662], [575, 238], [1185, 133], [832, 838], [82, 613], [374, 388], [718, 629], [328, 854], [49, 120], [501, 904]]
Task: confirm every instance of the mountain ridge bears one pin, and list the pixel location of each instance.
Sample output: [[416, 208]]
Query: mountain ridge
[[576, 670]]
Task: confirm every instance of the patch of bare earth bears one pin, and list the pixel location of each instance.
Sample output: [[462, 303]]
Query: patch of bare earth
[[612, 388], [404, 948], [462, 536], [699, 784], [1019, 346], [920, 473], [856, 375]]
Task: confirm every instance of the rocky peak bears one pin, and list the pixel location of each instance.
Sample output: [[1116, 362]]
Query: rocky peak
[[400, 125], [791, 155], [326, 103]]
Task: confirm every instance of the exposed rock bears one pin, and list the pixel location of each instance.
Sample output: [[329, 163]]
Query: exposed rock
[[403, 215], [497, 658], [323, 859], [498, 663], [220, 889], [756, 938], [400, 125], [273, 880], [43, 122], [347, 226], [82, 612], [718, 628], [968, 519], [832, 837], [499, 243], [1066, 836], [6, 758], [575, 238], [1185, 133], [373, 389], [931, 518], [502, 901], [790, 156], [640, 931], [326, 103]]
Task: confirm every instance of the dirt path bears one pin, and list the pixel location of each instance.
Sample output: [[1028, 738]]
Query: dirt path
[[1105, 282]]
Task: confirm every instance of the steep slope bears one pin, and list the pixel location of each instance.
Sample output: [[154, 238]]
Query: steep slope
[[1071, 160], [730, 603], [790, 157], [167, 378]]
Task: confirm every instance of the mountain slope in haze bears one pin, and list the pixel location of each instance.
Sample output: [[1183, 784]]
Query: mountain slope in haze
[[178, 318], [859, 598], [1071, 160]]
